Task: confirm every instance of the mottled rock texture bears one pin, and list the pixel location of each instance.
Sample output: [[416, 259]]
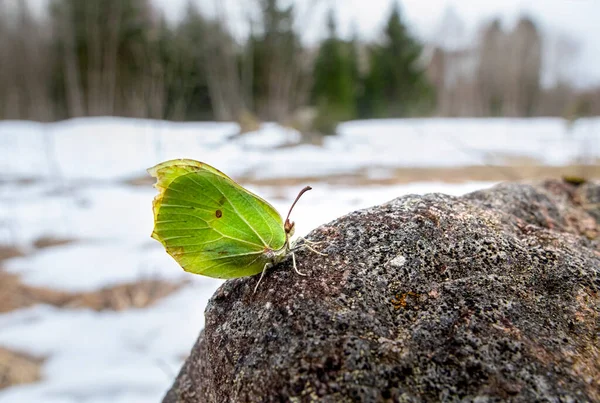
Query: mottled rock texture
[[493, 296]]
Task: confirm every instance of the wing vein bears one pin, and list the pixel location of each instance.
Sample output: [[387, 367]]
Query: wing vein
[[219, 232], [223, 257], [262, 216], [185, 214], [236, 210], [249, 264], [193, 201], [218, 264]]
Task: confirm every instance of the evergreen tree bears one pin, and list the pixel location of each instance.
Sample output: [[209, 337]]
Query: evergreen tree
[[396, 85], [333, 88], [357, 75], [188, 92]]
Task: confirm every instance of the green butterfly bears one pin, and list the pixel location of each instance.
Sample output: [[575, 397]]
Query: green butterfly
[[213, 226]]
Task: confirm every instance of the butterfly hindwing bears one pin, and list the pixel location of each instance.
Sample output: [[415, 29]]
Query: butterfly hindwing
[[210, 224]]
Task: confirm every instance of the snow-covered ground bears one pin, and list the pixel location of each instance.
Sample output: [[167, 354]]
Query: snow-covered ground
[[108, 148], [77, 193]]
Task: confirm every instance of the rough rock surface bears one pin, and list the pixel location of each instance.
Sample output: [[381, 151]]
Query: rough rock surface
[[492, 296]]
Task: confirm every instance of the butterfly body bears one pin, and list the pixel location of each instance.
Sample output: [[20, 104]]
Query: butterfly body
[[213, 226]]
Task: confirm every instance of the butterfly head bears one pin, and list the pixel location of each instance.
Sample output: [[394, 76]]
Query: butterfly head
[[289, 227]]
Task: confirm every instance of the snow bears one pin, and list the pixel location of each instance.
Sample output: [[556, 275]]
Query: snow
[[106, 356], [84, 149], [84, 266], [78, 193]]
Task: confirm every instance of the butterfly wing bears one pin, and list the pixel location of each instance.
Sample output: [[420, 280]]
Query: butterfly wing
[[166, 171], [210, 224]]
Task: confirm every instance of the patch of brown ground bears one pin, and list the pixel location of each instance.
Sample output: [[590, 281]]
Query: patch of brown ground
[[48, 242], [145, 180], [484, 173], [8, 252], [14, 295], [17, 368], [140, 294]]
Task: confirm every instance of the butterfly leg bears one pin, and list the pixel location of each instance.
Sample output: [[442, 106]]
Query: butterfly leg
[[315, 251], [267, 265], [307, 244], [296, 267]]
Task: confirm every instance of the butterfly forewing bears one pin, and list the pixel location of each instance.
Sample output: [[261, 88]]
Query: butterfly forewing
[[211, 225]]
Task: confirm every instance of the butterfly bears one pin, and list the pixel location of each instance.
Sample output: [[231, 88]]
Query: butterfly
[[214, 227]]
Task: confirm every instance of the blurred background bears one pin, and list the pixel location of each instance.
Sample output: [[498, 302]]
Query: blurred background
[[363, 100], [270, 60]]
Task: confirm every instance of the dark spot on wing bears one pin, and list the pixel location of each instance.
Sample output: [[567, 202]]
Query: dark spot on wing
[[219, 213]]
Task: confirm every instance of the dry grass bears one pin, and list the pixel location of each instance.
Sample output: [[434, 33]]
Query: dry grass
[[48, 242], [15, 295], [140, 294], [8, 252], [17, 368], [447, 175], [524, 169], [145, 180]]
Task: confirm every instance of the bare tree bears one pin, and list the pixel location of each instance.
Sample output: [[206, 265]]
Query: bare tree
[[64, 31], [451, 69], [490, 75], [222, 73], [560, 50], [9, 94], [523, 69], [280, 63], [24, 75]]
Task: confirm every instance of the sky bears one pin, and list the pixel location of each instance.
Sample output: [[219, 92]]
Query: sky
[[559, 20]]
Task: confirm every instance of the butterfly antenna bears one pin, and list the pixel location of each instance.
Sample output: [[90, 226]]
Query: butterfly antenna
[[306, 189]]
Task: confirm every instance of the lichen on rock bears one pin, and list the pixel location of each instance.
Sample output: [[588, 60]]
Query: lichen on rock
[[491, 296]]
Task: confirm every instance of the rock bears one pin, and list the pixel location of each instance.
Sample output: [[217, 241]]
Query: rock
[[491, 296]]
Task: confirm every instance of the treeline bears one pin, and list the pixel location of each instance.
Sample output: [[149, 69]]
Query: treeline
[[501, 75], [122, 58]]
